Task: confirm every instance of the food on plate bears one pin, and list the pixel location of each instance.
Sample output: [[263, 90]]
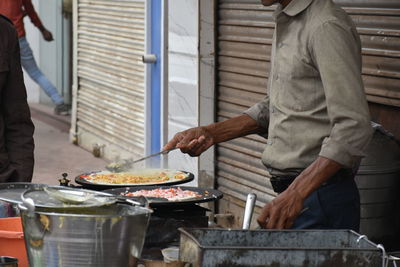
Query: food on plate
[[136, 178], [172, 194]]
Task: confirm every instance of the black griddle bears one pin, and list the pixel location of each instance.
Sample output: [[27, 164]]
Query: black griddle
[[89, 185], [207, 195]]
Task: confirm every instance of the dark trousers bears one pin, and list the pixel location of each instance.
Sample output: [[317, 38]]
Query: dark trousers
[[334, 205]]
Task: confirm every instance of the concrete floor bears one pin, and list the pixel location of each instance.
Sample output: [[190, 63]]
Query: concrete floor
[[54, 154]]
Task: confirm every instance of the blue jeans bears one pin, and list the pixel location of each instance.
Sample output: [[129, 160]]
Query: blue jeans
[[29, 64], [332, 206]]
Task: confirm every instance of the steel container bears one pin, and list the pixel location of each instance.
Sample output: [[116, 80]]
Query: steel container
[[378, 180], [105, 236], [220, 247]]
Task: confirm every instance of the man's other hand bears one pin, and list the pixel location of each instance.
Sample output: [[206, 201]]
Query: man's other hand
[[47, 35], [282, 211], [193, 141]]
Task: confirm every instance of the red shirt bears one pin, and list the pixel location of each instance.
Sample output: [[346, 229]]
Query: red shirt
[[16, 10]]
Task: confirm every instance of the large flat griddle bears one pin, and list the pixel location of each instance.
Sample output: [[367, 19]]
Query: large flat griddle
[[96, 186], [207, 195]]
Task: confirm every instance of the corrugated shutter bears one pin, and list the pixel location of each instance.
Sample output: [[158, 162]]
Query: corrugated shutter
[[110, 96], [244, 36], [245, 31], [378, 23]]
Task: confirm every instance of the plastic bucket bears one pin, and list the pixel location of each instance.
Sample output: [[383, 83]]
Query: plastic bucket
[[12, 240]]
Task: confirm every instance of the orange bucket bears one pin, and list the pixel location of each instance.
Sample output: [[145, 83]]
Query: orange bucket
[[12, 240]]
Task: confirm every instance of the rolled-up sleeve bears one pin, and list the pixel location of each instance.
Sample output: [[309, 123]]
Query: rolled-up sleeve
[[260, 112], [335, 49]]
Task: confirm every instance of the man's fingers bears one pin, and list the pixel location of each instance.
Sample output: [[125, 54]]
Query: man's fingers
[[282, 219], [273, 220], [190, 147], [193, 147], [193, 141], [201, 139], [289, 223], [201, 148], [173, 142], [263, 218]]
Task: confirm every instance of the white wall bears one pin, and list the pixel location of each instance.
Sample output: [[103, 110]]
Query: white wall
[[51, 52], [33, 35], [183, 76]]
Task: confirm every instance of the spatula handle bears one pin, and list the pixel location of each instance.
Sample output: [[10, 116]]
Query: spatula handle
[[248, 210]]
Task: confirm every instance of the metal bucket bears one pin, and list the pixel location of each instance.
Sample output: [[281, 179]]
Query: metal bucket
[[104, 236]]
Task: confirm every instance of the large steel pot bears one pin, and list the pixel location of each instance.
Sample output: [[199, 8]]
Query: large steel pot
[[103, 236]]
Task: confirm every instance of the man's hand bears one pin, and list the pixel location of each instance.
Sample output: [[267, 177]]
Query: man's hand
[[197, 140], [282, 211], [193, 141], [46, 34]]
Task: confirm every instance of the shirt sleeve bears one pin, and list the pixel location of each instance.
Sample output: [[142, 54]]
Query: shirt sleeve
[[30, 10], [260, 112], [336, 51], [17, 118]]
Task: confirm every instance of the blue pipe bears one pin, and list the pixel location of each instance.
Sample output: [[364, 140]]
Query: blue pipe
[[156, 76]]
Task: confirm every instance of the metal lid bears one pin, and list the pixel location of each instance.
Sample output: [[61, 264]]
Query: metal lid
[[11, 192], [382, 153], [60, 197]]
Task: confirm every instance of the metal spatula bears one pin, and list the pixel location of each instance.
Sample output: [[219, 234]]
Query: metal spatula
[[127, 164]]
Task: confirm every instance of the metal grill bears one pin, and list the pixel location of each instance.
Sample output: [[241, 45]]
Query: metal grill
[[244, 38], [111, 87]]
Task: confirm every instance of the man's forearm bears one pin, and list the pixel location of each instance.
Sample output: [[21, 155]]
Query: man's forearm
[[314, 176], [233, 128]]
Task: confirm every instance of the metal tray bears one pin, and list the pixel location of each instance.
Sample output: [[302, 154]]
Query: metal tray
[[208, 195], [86, 184], [220, 247]]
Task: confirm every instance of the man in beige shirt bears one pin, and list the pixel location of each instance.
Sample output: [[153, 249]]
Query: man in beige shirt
[[315, 116]]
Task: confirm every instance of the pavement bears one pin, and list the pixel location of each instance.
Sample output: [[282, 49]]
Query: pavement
[[54, 154]]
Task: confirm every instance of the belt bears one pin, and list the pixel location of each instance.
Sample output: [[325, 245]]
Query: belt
[[281, 183]]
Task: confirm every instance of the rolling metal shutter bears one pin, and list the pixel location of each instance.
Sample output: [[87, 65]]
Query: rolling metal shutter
[[110, 76], [378, 23], [244, 39]]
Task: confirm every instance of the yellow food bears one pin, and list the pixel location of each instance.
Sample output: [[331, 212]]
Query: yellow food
[[146, 177]]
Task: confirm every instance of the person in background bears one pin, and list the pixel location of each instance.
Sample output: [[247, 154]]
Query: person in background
[[16, 10], [16, 127]]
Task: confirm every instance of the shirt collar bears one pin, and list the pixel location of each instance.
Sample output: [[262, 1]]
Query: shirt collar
[[293, 8]]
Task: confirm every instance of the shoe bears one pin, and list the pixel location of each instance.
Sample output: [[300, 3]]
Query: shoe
[[62, 109]]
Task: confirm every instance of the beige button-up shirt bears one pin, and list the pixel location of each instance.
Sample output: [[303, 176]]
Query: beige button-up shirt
[[316, 103]]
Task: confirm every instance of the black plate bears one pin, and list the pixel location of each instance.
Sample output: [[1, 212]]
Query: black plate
[[11, 192], [86, 184], [207, 194]]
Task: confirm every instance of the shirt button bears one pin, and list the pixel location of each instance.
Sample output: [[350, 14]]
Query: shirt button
[[272, 110], [269, 142], [280, 45]]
